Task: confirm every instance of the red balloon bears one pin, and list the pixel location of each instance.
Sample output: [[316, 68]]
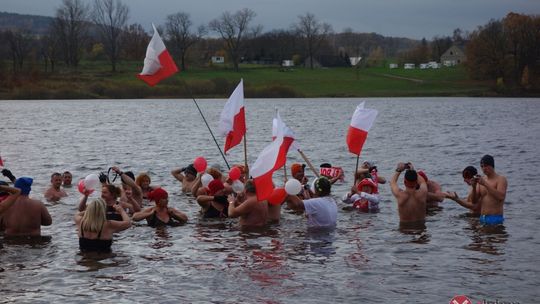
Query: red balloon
[[200, 164], [277, 197], [234, 174]]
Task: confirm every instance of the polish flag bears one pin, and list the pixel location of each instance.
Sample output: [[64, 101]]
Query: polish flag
[[271, 159], [1, 161], [287, 132], [361, 122], [232, 122], [158, 63]]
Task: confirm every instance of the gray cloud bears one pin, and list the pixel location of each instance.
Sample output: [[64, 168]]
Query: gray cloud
[[400, 18]]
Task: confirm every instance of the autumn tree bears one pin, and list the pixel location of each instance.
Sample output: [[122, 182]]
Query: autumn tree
[[486, 51], [234, 30], [179, 33], [313, 33], [110, 17]]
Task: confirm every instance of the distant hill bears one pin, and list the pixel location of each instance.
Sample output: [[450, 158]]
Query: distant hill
[[38, 25]]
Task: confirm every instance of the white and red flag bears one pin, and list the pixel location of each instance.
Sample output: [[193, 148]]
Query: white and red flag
[[361, 122], [271, 159], [232, 121], [1, 161], [158, 63], [288, 133]]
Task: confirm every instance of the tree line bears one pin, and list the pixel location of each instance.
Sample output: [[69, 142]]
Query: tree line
[[504, 50]]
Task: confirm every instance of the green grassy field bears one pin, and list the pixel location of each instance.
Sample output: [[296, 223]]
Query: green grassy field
[[94, 80]]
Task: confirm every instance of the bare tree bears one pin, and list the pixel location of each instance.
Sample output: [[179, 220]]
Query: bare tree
[[111, 17], [134, 41], [50, 50], [179, 33], [19, 43], [71, 26], [233, 29], [313, 32]]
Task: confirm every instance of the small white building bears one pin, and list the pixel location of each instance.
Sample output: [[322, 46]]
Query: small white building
[[408, 66], [287, 63], [393, 65], [424, 66], [218, 59]]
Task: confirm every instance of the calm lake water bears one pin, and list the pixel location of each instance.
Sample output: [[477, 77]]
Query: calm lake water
[[367, 259]]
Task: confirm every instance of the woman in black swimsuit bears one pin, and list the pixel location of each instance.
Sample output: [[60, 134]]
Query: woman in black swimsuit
[[94, 230], [161, 214]]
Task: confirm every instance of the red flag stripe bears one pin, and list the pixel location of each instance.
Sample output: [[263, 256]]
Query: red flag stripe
[[239, 129], [168, 68], [356, 139]]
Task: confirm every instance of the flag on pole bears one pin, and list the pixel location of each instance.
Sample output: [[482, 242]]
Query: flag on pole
[[158, 63], [232, 121], [361, 122], [287, 132], [271, 159]]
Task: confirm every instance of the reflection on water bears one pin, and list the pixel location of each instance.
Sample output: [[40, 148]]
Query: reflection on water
[[368, 258], [487, 239]]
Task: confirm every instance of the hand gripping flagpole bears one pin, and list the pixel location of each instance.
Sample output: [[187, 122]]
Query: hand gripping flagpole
[[211, 133]]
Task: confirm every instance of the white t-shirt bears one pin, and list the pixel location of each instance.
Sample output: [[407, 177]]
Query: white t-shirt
[[321, 211]]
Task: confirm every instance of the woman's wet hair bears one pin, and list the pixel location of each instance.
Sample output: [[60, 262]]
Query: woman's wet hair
[[141, 177], [94, 216]]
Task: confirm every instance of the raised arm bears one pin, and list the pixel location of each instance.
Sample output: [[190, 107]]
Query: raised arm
[[124, 224], [82, 202], [177, 173], [393, 182], [8, 202], [197, 183], [295, 203], [499, 191]]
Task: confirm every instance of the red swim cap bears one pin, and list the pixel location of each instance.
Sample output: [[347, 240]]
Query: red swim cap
[[214, 186], [157, 195]]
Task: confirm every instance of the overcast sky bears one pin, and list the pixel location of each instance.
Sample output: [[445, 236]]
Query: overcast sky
[[398, 18]]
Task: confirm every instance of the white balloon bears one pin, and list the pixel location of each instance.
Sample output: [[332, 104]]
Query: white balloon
[[237, 186], [206, 179], [293, 187], [91, 181]]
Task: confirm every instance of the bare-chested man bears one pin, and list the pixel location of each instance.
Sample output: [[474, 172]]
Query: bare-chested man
[[252, 213], [434, 194], [27, 215], [468, 177], [187, 177], [67, 178], [55, 193], [8, 196], [411, 201], [490, 193]]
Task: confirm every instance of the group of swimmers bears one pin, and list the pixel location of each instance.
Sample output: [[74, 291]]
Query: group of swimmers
[[220, 197]]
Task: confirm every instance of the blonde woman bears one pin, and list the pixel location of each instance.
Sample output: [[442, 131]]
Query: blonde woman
[[94, 230]]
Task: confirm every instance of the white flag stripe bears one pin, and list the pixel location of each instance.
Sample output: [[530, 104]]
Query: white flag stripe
[[362, 118], [155, 48], [268, 157], [231, 108]]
